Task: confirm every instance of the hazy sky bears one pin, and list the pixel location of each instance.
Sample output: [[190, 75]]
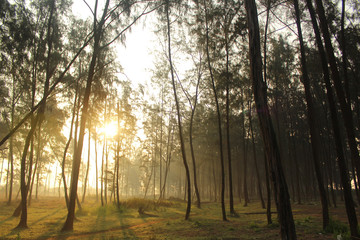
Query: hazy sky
[[135, 56]]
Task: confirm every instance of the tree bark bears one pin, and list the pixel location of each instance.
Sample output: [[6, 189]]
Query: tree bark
[[218, 117], [349, 203], [37, 120], [245, 186], [87, 165], [255, 159], [68, 226], [282, 199], [311, 115], [183, 153]]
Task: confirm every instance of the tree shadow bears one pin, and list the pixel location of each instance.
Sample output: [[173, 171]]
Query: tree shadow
[[5, 220]]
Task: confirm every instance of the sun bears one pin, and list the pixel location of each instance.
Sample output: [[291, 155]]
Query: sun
[[110, 129]]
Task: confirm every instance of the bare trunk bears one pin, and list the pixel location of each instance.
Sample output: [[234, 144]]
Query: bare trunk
[[218, 117], [255, 160], [314, 133], [88, 164], [282, 198], [183, 153], [68, 226], [349, 203]]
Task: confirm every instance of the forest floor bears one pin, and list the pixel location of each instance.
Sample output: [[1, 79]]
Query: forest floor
[[164, 220]]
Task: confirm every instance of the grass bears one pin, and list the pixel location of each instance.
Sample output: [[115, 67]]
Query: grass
[[162, 220]]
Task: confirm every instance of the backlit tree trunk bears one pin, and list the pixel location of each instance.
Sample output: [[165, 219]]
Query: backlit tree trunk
[[314, 133], [218, 117], [349, 203], [183, 153], [282, 198], [98, 29]]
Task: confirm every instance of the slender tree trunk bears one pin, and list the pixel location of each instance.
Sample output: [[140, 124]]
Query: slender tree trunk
[[118, 157], [268, 190], [231, 196], [245, 187], [87, 165], [168, 155], [193, 109], [255, 160], [38, 119], [11, 147], [102, 173], [349, 203], [344, 105], [34, 172], [311, 115], [68, 226], [96, 167], [11, 153], [282, 198], [106, 173], [148, 184], [183, 153], [218, 117]]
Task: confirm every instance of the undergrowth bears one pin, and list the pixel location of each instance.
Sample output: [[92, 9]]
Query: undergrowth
[[146, 204], [338, 228]]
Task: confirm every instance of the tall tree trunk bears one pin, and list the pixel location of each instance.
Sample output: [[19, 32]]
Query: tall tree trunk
[[98, 29], [11, 158], [349, 203], [218, 116], [231, 196], [255, 159], [11, 145], [183, 153], [245, 187], [96, 167], [168, 156], [38, 119], [117, 155], [282, 198], [344, 105], [76, 100], [268, 190], [102, 174], [312, 118], [88, 164]]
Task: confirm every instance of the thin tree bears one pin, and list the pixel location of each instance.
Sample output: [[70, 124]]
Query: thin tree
[[218, 114], [183, 153], [98, 30], [349, 203], [344, 105], [191, 126], [282, 198], [88, 163], [37, 120], [255, 159], [311, 116]]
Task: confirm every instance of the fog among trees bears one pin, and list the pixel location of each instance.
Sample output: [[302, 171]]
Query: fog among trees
[[246, 101]]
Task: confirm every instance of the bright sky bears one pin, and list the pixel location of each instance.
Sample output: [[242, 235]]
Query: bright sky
[[135, 56]]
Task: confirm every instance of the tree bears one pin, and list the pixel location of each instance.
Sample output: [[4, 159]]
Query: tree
[[311, 115], [183, 153], [339, 149], [98, 30], [218, 114], [287, 227]]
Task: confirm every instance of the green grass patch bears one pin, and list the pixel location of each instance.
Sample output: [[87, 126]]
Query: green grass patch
[[337, 228], [162, 220]]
